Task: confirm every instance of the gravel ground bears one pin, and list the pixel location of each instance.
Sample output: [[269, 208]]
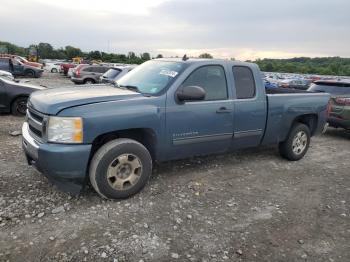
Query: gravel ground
[[249, 206]]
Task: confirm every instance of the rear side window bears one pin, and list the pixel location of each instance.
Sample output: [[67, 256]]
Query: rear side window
[[103, 69], [212, 79], [87, 69], [244, 82]]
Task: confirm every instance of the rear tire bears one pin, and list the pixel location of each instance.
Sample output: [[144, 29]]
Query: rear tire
[[297, 143], [54, 70], [120, 168], [89, 81], [19, 106]]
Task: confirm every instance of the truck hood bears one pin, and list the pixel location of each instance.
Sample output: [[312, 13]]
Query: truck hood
[[52, 101], [28, 85]]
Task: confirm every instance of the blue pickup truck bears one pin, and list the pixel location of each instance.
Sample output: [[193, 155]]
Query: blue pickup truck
[[162, 110]]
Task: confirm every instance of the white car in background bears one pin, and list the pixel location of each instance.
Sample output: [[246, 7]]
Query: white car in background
[[113, 74], [6, 74], [52, 67], [71, 71]]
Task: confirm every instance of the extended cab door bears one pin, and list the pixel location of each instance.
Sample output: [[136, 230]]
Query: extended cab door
[[250, 110], [200, 127]]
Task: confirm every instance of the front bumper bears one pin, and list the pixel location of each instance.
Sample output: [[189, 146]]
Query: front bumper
[[338, 122], [77, 80], [64, 165]]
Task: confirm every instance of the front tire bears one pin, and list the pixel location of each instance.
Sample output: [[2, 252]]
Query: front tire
[[54, 70], [30, 73], [89, 81], [19, 106], [297, 143], [120, 168]]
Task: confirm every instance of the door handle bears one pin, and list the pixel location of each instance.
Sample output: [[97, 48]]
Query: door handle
[[223, 110]]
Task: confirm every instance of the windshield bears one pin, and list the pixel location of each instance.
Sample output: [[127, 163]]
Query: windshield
[[152, 77], [112, 73], [22, 59]]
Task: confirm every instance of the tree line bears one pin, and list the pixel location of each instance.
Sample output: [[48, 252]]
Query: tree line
[[303, 65], [47, 51]]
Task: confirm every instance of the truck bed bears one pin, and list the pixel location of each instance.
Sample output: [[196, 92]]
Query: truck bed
[[285, 105], [281, 90]]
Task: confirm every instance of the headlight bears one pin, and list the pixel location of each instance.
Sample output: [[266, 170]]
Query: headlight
[[65, 130]]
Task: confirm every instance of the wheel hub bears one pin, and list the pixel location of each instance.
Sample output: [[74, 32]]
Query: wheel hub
[[124, 171], [299, 142]]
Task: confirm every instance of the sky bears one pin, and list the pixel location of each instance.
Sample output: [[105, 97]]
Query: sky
[[243, 29]]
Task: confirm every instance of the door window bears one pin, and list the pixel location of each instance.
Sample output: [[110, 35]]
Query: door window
[[244, 82], [212, 79]]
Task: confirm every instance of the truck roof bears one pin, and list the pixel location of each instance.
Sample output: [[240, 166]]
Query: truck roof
[[207, 60]]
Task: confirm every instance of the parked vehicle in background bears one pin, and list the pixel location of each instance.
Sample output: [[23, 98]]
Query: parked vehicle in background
[[113, 74], [300, 84], [14, 95], [22, 60], [269, 85], [6, 74], [88, 74], [17, 68], [71, 71], [339, 115], [162, 110], [65, 67], [52, 67]]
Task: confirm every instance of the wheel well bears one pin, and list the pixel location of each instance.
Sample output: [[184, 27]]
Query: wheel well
[[29, 70], [15, 98], [145, 136], [310, 120], [91, 79]]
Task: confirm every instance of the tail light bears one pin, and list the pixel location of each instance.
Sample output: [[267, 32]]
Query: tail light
[[343, 101], [77, 71], [329, 108]]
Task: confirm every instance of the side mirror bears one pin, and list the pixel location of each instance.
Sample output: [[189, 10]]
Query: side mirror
[[190, 93]]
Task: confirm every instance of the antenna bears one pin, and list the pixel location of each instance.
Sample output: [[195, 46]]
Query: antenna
[[185, 58]]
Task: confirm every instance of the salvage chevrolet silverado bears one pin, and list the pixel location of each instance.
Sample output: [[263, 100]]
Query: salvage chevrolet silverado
[[162, 110]]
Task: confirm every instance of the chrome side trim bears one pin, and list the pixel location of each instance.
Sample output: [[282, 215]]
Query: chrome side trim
[[201, 139], [247, 133]]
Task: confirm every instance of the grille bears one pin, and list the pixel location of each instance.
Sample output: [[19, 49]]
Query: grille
[[36, 122]]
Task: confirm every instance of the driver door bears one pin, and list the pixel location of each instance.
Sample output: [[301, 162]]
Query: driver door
[[201, 127]]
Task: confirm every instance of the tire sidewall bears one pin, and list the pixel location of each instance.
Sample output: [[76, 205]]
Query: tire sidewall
[[89, 81], [14, 108], [101, 182], [294, 131], [30, 73]]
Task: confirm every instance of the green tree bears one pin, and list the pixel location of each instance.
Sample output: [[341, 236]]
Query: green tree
[[205, 55], [145, 56], [72, 51], [46, 50], [159, 56]]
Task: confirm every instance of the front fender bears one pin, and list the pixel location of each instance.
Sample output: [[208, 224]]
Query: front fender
[[106, 117]]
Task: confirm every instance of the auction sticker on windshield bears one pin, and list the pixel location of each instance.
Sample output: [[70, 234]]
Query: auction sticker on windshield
[[168, 73]]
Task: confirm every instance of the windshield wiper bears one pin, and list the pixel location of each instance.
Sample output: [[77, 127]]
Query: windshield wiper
[[130, 87]]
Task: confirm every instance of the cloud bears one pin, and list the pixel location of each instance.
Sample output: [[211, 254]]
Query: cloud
[[225, 28]]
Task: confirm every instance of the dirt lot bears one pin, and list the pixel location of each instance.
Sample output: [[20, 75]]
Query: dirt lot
[[249, 206]]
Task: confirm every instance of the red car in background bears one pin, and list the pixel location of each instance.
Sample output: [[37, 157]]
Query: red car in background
[[23, 60], [65, 67]]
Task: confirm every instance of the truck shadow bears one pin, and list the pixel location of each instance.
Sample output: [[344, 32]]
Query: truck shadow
[[338, 133], [203, 163]]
